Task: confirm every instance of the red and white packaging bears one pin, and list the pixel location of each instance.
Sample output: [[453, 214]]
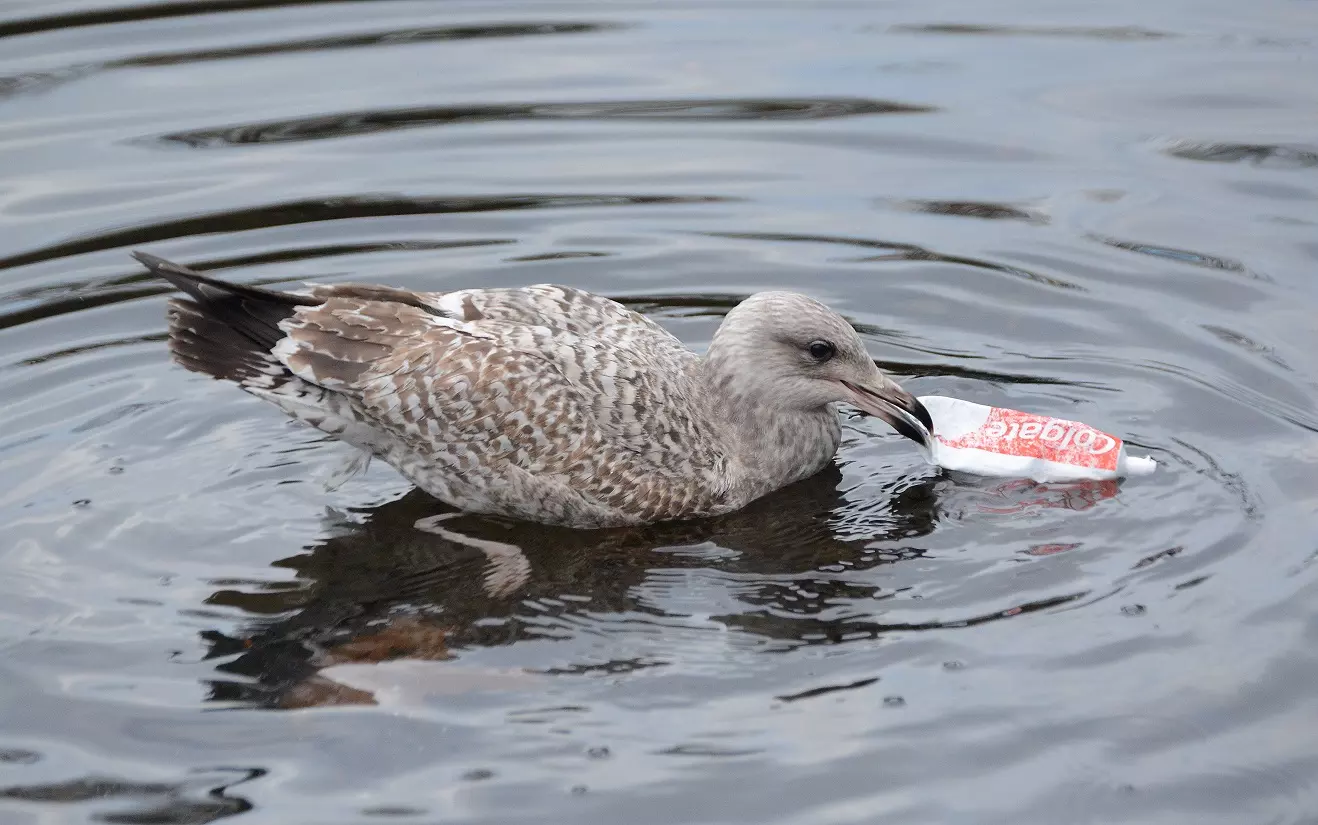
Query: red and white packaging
[[994, 441]]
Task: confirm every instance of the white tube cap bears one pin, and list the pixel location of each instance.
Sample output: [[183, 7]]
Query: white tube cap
[[1137, 465]]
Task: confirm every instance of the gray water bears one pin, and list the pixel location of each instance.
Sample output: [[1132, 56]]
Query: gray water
[[1107, 212]]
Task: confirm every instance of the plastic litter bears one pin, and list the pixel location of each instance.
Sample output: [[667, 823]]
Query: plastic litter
[[995, 441]]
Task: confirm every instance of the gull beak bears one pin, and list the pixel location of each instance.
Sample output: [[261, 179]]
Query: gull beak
[[899, 408]]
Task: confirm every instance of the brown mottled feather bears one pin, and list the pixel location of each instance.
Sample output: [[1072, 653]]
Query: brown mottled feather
[[482, 406]]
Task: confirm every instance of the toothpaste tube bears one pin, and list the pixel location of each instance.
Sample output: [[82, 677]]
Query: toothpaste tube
[[993, 441]]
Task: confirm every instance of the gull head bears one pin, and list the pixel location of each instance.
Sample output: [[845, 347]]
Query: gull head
[[787, 351]]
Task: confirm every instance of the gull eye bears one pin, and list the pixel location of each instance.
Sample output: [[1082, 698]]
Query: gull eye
[[822, 350]]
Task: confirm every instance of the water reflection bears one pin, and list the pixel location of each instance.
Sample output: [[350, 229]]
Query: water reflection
[[380, 589], [380, 565]]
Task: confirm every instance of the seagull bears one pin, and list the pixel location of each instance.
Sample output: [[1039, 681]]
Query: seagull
[[546, 404]]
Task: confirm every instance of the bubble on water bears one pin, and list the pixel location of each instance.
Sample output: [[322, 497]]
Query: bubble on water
[[1133, 610], [82, 502], [478, 775], [953, 664], [578, 790], [894, 702], [600, 752]]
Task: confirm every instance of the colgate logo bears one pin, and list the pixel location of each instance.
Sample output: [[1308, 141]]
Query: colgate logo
[[1063, 434], [1011, 432]]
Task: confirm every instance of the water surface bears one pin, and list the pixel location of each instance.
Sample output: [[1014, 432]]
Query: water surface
[[1107, 212]]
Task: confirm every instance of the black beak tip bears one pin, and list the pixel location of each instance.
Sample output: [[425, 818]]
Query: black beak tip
[[905, 428], [919, 411]]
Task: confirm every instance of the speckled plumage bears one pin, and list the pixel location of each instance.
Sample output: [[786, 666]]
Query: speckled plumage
[[543, 403]]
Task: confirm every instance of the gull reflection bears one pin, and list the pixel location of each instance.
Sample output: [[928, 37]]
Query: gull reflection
[[406, 582]]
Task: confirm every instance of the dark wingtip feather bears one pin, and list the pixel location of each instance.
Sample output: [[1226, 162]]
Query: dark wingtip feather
[[180, 276], [252, 312], [203, 343], [226, 330], [206, 288]]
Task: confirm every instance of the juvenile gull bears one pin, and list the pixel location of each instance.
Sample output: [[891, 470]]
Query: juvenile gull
[[546, 403]]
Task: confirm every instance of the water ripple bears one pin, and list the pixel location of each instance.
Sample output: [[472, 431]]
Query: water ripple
[[831, 631], [827, 689], [1248, 344], [1265, 155], [41, 81], [194, 800], [983, 210], [899, 251], [84, 288], [29, 82], [1119, 33], [392, 37], [144, 12], [351, 124], [1184, 256], [333, 209]]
